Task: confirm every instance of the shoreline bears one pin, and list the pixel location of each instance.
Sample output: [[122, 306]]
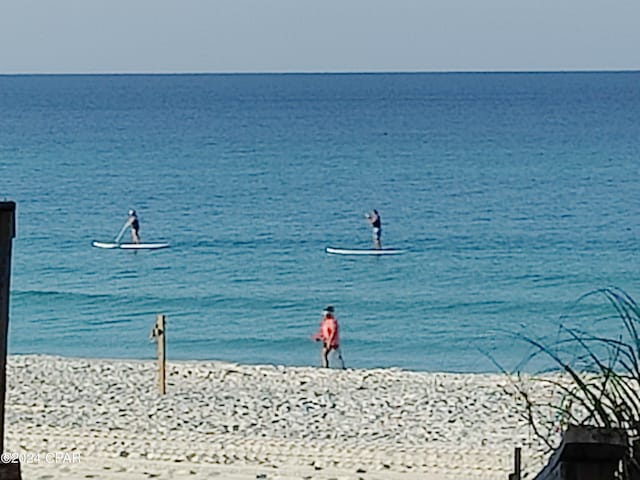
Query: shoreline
[[243, 421]]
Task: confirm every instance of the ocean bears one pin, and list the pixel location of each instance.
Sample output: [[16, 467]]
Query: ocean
[[514, 194]]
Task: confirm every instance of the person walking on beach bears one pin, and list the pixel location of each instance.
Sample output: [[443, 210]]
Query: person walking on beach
[[376, 224], [134, 223], [328, 335]]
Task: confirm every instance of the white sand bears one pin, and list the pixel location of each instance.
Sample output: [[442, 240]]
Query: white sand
[[103, 419]]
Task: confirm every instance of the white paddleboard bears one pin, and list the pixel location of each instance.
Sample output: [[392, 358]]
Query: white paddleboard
[[130, 246], [363, 251]]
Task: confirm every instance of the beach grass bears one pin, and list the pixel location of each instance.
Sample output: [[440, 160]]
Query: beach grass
[[595, 378]]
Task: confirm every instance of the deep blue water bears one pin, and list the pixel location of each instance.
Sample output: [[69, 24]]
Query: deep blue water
[[514, 194]]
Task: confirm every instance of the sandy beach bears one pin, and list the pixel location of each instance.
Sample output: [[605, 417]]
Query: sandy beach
[[104, 419]]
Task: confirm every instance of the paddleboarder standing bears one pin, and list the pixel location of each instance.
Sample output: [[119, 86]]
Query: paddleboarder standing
[[376, 224], [134, 223]]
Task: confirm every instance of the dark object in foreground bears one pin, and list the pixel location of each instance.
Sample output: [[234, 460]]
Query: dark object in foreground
[[9, 470], [587, 453]]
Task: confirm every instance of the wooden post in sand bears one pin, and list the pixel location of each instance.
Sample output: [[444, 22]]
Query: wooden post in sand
[[158, 334], [10, 469], [517, 468]]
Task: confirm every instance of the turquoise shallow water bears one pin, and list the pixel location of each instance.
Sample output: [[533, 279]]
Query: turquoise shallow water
[[514, 194]]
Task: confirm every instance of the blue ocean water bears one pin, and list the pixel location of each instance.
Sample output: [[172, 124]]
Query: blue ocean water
[[514, 195]]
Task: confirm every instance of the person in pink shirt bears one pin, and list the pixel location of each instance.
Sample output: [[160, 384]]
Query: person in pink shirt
[[329, 336]]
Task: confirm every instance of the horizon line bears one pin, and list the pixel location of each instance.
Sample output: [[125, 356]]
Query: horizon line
[[321, 72]]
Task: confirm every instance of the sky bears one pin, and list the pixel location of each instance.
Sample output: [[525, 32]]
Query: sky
[[225, 36]]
